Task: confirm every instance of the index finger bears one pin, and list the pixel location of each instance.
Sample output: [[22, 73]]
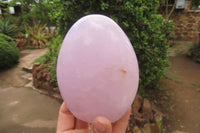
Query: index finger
[[65, 119], [121, 125]]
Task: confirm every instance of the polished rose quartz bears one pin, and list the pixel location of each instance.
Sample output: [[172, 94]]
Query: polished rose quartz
[[97, 69]]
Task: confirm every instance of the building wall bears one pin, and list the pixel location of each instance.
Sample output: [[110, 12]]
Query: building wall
[[187, 23]]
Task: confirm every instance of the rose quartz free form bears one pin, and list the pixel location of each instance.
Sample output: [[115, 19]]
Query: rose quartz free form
[[97, 69]]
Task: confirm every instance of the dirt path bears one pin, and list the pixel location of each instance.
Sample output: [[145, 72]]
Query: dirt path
[[23, 110], [183, 86], [179, 96]]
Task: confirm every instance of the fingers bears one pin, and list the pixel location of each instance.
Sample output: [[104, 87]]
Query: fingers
[[65, 119], [79, 131], [81, 124], [101, 125], [68, 123], [121, 125]]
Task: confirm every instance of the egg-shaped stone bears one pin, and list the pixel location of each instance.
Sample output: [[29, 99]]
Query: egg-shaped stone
[[97, 69]]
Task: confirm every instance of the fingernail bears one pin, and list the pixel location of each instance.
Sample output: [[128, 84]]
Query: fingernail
[[99, 127]]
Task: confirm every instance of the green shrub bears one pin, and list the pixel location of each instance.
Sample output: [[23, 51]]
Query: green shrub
[[52, 55], [33, 11], [148, 31], [7, 28], [9, 53], [195, 3], [37, 36]]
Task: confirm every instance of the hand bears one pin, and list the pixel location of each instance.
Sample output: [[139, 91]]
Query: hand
[[67, 123]]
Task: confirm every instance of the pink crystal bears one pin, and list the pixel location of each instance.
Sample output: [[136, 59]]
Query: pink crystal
[[97, 69]]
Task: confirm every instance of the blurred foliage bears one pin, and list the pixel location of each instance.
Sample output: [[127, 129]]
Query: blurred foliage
[[33, 11], [51, 56], [21, 41], [41, 59], [195, 51], [25, 15], [29, 28], [7, 28], [37, 36], [196, 3], [33, 37], [9, 53], [148, 31]]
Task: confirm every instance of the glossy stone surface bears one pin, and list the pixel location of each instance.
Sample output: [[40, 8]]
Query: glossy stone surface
[[97, 69]]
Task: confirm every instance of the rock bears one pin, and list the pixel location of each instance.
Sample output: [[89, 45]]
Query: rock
[[39, 84], [136, 110], [44, 66], [37, 64], [189, 54], [140, 121], [171, 43], [35, 83], [46, 86], [136, 130], [28, 76], [29, 85], [158, 117], [145, 117], [158, 121], [34, 72], [147, 128], [48, 78], [198, 60], [132, 120], [45, 74], [146, 106], [39, 75], [137, 104], [154, 128], [27, 69], [40, 68], [156, 111], [179, 132], [147, 110]]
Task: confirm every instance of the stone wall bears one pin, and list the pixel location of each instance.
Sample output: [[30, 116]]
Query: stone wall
[[41, 77], [145, 117], [187, 23]]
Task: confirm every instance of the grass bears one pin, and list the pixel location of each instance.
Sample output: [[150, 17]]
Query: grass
[[181, 88], [186, 101], [182, 126], [195, 94], [171, 75], [172, 107], [197, 125], [40, 59], [196, 84]]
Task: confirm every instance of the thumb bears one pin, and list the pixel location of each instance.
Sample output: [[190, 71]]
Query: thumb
[[101, 125]]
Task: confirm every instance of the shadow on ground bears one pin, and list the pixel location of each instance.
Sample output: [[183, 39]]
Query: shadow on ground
[[24, 110]]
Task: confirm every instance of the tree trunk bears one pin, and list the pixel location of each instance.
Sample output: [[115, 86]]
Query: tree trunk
[[172, 10], [166, 9]]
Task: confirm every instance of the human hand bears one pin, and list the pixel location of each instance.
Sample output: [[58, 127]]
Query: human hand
[[67, 123]]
